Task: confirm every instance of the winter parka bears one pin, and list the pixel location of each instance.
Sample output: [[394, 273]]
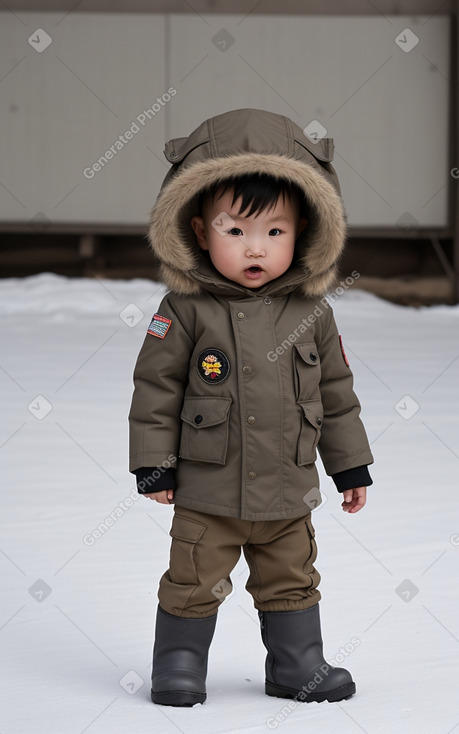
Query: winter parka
[[237, 388]]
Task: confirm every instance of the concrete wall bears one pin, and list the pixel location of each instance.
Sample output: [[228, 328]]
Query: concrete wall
[[72, 84]]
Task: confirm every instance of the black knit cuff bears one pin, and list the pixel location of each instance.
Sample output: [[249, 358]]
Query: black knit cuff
[[154, 479], [352, 478]]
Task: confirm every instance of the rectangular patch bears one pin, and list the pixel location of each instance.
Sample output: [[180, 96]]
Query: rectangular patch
[[159, 326]]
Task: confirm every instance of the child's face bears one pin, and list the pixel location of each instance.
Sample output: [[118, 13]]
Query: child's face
[[251, 250]]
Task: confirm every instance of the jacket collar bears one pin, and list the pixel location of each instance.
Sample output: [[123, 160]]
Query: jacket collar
[[214, 282]]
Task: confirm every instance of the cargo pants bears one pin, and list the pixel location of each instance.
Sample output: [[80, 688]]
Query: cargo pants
[[205, 548]]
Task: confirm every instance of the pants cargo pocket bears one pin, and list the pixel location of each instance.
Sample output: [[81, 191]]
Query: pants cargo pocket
[[205, 422], [185, 534], [308, 567], [310, 431]]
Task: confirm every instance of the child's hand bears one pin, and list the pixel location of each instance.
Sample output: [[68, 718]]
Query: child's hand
[[165, 497], [354, 499]]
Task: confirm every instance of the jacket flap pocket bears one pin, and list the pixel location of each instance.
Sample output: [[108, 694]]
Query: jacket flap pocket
[[183, 528], [313, 411], [308, 353], [177, 149], [310, 431], [203, 412]]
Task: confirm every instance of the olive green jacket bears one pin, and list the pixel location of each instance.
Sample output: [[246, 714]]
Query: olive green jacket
[[241, 386]]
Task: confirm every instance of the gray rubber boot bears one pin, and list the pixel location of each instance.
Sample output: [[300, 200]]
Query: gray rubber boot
[[295, 665], [180, 659]]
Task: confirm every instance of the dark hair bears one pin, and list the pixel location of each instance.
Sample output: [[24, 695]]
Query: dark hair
[[259, 191]]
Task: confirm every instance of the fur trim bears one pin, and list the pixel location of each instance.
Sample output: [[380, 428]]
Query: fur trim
[[173, 240]]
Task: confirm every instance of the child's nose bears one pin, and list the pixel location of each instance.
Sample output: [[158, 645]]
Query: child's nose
[[255, 249]]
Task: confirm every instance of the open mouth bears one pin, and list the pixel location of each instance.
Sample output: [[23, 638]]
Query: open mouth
[[253, 272]]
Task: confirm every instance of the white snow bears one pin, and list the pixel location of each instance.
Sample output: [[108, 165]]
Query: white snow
[[68, 355]]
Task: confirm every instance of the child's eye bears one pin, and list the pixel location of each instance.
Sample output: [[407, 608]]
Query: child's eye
[[235, 231], [275, 232]]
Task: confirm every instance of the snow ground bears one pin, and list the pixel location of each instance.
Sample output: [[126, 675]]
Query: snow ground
[[77, 618]]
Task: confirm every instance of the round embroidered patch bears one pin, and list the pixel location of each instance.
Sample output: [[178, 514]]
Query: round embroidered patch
[[213, 365]]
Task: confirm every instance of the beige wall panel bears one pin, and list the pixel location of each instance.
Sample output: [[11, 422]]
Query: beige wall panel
[[386, 108], [64, 106]]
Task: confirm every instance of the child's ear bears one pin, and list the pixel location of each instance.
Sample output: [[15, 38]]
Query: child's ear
[[302, 225], [197, 224]]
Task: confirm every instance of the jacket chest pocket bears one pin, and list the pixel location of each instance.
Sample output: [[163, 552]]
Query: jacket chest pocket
[[307, 372], [312, 414], [205, 426]]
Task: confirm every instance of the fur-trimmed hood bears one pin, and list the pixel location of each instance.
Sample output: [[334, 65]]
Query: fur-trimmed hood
[[236, 143]]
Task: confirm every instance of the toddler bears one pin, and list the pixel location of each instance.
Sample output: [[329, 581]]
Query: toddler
[[241, 378]]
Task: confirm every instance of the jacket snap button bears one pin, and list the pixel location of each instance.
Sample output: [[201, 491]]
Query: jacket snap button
[[172, 154], [246, 369], [251, 419], [252, 475], [319, 421], [241, 315], [198, 419], [313, 357], [267, 300]]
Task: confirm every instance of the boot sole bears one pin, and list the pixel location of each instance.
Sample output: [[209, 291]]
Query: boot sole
[[337, 694], [177, 698]]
